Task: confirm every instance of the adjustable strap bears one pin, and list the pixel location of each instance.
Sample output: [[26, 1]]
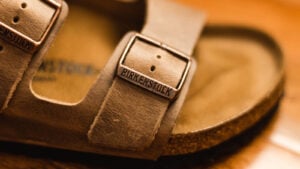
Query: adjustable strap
[[24, 25], [173, 24], [152, 70]]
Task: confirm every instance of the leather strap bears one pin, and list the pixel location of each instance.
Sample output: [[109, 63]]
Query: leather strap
[[131, 117], [173, 24], [132, 121], [24, 25]]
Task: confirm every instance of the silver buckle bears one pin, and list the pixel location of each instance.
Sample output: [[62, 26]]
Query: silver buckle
[[24, 42], [169, 92]]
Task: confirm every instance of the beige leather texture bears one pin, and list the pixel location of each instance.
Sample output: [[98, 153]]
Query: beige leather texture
[[130, 117], [24, 92], [56, 105], [31, 18], [173, 24]]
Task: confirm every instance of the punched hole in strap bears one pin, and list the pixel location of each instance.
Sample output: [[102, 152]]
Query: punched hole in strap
[[126, 71], [23, 5], [16, 19], [152, 69], [13, 26]]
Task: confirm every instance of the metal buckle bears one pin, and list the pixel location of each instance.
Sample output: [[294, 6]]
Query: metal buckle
[[24, 42], [168, 91]]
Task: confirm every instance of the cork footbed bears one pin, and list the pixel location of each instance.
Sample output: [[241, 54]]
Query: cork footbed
[[238, 78]]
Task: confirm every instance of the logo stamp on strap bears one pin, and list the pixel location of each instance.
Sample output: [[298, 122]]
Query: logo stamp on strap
[[146, 82], [14, 38]]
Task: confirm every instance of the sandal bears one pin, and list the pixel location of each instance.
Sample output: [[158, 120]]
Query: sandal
[[144, 101]]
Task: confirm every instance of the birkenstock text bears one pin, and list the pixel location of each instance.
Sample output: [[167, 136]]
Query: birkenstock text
[[146, 82], [15, 39]]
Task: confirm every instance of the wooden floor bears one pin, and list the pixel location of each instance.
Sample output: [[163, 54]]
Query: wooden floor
[[273, 143]]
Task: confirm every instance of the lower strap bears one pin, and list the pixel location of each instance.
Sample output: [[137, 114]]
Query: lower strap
[[137, 113]]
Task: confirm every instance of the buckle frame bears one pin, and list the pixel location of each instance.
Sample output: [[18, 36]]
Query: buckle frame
[[168, 91], [23, 41]]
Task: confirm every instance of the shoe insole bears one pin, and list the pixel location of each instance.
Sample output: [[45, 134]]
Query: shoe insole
[[238, 69]]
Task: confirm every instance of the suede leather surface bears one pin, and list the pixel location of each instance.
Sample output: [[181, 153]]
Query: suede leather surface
[[14, 61], [34, 117], [174, 24], [130, 117], [66, 126], [70, 117]]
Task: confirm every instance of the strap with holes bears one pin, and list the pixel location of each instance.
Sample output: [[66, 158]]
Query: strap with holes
[[138, 94], [150, 74], [23, 30]]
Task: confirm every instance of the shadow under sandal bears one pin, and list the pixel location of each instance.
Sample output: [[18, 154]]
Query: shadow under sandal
[[165, 90]]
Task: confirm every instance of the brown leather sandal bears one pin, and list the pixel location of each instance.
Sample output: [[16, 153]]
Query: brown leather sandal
[[140, 102]]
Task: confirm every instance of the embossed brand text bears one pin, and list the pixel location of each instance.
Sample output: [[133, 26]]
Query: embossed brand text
[[14, 38], [147, 83]]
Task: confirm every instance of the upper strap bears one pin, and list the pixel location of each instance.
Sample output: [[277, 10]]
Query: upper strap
[[137, 113], [173, 24], [24, 25]]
